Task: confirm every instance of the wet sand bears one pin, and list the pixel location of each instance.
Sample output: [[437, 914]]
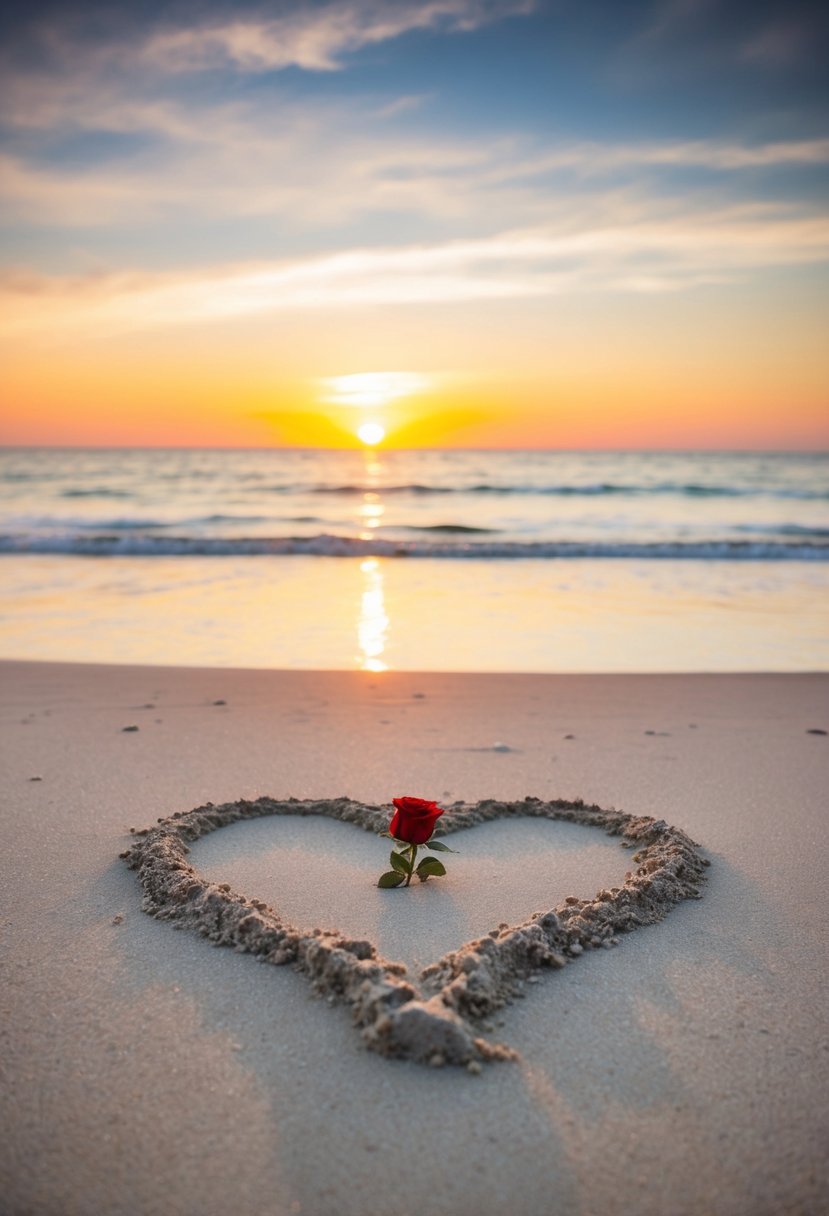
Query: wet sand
[[145, 1071]]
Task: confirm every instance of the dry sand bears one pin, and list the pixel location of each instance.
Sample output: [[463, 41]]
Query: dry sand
[[684, 1071]]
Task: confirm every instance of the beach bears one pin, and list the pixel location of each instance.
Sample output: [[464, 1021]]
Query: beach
[[414, 415], [683, 1071]]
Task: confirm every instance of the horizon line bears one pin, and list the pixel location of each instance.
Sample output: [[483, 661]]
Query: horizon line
[[379, 450]]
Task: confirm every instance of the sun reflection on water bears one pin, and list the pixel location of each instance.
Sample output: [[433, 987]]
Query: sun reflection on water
[[371, 512], [373, 623]]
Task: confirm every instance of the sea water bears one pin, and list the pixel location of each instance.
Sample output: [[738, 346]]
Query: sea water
[[419, 560]]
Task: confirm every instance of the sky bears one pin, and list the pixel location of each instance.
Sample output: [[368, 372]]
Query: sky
[[483, 223]]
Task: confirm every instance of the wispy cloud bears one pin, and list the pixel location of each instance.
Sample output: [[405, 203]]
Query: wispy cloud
[[779, 45], [704, 38], [701, 154], [645, 254], [320, 168], [317, 39], [324, 167], [121, 83], [67, 58]]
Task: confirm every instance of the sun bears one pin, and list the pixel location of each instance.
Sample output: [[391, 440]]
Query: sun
[[371, 433], [371, 398]]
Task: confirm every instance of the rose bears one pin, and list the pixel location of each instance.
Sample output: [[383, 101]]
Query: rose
[[412, 824], [414, 819]]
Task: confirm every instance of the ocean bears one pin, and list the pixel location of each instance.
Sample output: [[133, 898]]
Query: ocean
[[418, 560]]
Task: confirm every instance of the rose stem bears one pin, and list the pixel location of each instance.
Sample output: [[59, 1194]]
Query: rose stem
[[411, 865]]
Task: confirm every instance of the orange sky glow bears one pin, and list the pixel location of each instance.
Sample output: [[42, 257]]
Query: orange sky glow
[[731, 381]]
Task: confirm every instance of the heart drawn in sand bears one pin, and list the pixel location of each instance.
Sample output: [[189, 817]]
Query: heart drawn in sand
[[437, 1019]]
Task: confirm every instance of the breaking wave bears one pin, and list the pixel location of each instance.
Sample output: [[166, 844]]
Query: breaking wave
[[114, 544]]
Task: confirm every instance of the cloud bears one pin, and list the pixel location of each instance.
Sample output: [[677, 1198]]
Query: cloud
[[81, 47], [323, 167], [403, 105], [317, 39], [781, 45], [705, 39], [139, 80], [314, 172], [647, 253], [717, 156]]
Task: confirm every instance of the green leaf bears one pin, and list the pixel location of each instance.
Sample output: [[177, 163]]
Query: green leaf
[[398, 862], [390, 879], [439, 847], [430, 867]]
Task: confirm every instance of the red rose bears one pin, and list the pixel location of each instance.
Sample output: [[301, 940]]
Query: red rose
[[414, 819]]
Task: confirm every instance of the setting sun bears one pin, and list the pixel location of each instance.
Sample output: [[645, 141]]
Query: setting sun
[[371, 433]]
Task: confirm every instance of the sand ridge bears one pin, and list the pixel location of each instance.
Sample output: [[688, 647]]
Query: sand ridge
[[438, 1019]]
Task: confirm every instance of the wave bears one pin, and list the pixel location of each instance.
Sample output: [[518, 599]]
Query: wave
[[326, 545], [142, 524], [783, 530], [682, 489], [95, 492], [459, 529], [691, 490]]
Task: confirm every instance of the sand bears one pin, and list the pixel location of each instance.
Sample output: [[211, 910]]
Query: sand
[[682, 1071]]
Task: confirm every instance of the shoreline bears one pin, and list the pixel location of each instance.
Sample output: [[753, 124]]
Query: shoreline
[[148, 1072], [373, 614], [361, 673]]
